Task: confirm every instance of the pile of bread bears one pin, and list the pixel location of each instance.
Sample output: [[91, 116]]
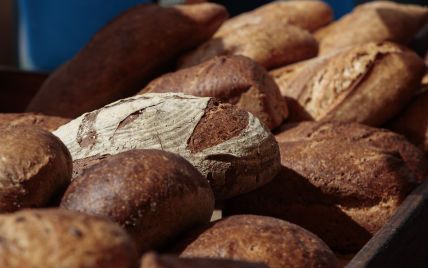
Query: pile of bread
[[304, 136]]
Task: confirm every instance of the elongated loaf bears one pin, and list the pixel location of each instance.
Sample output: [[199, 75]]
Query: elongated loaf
[[230, 147], [31, 119], [125, 55], [373, 22], [368, 83], [234, 79]]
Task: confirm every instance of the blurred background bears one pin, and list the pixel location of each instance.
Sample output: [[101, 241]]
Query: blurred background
[[42, 34]]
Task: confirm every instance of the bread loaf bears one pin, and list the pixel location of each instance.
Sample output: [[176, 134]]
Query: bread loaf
[[373, 22], [230, 147], [307, 14], [234, 79], [52, 238], [125, 55], [368, 84], [268, 240], [46, 122], [152, 194], [342, 181], [34, 167]]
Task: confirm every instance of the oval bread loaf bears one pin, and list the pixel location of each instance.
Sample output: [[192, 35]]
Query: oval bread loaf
[[125, 55], [234, 79], [35, 166], [54, 238], [274, 242], [230, 147], [368, 84], [46, 122], [152, 194]]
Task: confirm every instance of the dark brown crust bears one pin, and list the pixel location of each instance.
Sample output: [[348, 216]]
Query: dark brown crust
[[46, 122], [221, 122], [234, 79], [34, 166], [271, 241], [153, 194], [105, 70]]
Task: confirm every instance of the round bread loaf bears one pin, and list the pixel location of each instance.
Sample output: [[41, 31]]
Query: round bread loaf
[[34, 167], [152, 194], [46, 122], [340, 181], [234, 79], [274, 242], [52, 238]]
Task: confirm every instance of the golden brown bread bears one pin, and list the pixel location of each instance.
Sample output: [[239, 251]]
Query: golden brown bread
[[234, 79], [152, 194], [368, 84], [125, 55], [275, 242], [152, 260], [34, 167], [52, 238], [46, 122], [373, 22], [341, 181], [307, 14], [271, 44]]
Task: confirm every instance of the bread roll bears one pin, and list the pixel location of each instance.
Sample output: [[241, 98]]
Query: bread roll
[[46, 122], [234, 79], [52, 238], [152, 194], [230, 147], [34, 167], [368, 84], [377, 21], [125, 55], [268, 240], [342, 181]]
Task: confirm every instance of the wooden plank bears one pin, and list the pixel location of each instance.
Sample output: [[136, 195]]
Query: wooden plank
[[403, 240]]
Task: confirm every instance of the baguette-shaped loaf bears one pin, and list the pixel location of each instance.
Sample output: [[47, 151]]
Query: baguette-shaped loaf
[[125, 55], [307, 14], [46, 122], [234, 79], [373, 22], [230, 147], [368, 83]]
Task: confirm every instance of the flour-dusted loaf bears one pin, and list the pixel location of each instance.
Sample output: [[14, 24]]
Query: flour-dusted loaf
[[35, 166], [125, 55], [46, 122], [376, 21], [368, 83], [153, 194], [275, 242], [342, 181], [53, 238], [234, 79], [229, 146]]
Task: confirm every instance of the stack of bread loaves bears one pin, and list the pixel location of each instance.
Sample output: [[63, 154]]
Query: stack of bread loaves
[[272, 117]]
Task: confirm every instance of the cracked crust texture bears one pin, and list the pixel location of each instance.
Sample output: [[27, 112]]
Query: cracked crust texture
[[275, 242], [154, 195], [271, 44], [308, 15], [373, 22], [46, 122], [59, 238], [368, 84], [234, 79], [34, 167], [342, 181], [229, 146], [105, 70], [152, 260]]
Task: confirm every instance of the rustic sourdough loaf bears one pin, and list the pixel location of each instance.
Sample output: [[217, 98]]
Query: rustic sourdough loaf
[[125, 55], [341, 181], [234, 79], [229, 146], [46, 122], [152, 194]]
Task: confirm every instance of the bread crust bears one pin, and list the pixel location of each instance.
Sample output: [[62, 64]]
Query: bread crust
[[46, 122]]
